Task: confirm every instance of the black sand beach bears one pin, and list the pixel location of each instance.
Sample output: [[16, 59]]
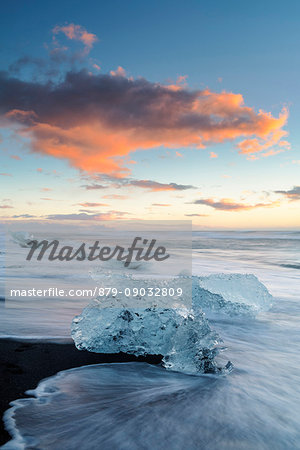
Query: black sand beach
[[24, 364]]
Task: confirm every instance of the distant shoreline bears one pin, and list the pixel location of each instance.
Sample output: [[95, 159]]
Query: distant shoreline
[[23, 364]]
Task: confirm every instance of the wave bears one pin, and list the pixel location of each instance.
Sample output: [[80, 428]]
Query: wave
[[290, 266], [132, 406], [100, 405], [241, 235]]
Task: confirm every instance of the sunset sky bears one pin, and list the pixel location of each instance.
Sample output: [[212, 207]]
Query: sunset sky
[[151, 110]]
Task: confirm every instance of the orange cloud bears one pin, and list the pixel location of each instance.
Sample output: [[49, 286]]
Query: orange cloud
[[274, 138], [4, 174], [94, 121], [213, 155], [161, 204]]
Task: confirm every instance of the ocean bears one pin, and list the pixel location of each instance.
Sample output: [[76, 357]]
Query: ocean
[[135, 405]]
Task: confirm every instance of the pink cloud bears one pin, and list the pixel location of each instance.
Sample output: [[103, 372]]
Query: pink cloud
[[161, 204], [181, 79], [120, 72], [229, 205], [92, 205], [77, 33], [115, 197]]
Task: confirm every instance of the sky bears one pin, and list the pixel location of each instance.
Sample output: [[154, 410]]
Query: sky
[[153, 110]]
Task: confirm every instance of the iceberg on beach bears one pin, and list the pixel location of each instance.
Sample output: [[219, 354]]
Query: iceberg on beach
[[183, 337], [233, 294], [179, 332]]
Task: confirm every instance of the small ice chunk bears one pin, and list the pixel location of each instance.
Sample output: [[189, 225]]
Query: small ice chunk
[[233, 293], [22, 238]]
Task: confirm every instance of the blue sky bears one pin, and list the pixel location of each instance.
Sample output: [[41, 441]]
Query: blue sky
[[246, 48]]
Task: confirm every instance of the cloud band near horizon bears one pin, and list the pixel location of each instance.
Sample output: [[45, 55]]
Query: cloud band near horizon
[[229, 205]]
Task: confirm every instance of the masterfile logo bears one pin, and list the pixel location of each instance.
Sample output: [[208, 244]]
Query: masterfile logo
[[142, 262], [140, 250]]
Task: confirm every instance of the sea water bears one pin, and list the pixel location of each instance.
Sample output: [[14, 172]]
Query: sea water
[[134, 405]]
